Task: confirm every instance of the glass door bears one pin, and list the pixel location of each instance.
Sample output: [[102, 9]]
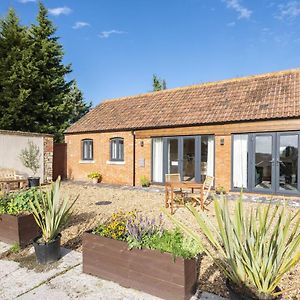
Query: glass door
[[188, 159], [287, 162], [172, 156], [264, 161]]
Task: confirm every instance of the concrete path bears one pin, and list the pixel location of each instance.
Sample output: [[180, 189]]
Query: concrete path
[[62, 280]]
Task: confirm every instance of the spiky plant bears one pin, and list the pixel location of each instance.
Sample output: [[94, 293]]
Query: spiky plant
[[52, 212], [253, 249]]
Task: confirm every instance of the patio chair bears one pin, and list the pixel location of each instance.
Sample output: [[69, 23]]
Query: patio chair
[[204, 193], [175, 177]]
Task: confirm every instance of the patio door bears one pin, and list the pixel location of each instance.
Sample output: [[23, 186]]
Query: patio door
[[275, 162], [181, 157]]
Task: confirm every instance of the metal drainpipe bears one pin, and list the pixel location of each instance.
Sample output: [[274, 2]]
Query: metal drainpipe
[[133, 175]]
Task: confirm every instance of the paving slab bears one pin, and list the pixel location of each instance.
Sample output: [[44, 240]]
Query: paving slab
[[24, 279], [4, 247]]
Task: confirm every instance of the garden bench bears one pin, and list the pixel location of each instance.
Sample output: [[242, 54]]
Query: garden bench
[[9, 180]]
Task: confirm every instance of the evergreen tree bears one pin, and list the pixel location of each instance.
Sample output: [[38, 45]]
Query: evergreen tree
[[34, 93], [15, 72], [158, 84]]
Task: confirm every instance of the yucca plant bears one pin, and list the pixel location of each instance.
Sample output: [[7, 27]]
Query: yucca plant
[[51, 212], [253, 249]]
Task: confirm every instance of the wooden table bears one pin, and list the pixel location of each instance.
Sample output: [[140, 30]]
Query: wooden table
[[185, 185]]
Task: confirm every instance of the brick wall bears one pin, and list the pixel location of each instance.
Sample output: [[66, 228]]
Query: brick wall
[[143, 159], [123, 173], [111, 172], [223, 162]]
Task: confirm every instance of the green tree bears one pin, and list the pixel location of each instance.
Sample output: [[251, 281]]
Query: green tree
[[15, 66], [34, 93], [158, 84]]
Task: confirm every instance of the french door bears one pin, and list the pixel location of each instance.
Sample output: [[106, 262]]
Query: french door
[[182, 157], [274, 162]]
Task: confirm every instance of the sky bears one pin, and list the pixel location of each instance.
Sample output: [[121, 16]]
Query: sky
[[115, 46]]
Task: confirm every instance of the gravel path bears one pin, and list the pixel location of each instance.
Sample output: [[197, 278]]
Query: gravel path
[[97, 203]]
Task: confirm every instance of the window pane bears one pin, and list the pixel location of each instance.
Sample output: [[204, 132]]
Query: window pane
[[87, 150], [288, 162], [117, 149], [207, 156], [240, 160]]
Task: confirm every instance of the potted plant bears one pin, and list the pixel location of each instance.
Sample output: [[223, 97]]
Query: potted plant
[[17, 224], [254, 250], [51, 215], [220, 190], [95, 176], [145, 182], [130, 247], [30, 158]]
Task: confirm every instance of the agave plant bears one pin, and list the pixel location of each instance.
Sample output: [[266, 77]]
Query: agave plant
[[253, 249], [51, 212]]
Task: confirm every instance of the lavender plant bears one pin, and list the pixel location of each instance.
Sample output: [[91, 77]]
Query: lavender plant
[[142, 228]]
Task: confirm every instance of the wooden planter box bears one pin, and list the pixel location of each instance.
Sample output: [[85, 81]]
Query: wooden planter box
[[18, 229], [146, 270]]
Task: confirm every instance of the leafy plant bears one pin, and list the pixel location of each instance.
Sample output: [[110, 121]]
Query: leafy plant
[[220, 190], [142, 232], [15, 248], [30, 157], [115, 226], [19, 202], [96, 175], [52, 213], [253, 249], [145, 182]]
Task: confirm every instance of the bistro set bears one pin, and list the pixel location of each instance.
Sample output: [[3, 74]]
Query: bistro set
[[177, 192]]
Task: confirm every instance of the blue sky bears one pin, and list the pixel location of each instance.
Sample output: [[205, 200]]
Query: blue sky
[[116, 45]]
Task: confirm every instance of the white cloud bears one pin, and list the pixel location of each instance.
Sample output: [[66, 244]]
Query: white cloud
[[107, 34], [26, 1], [288, 11], [243, 12], [79, 25], [231, 24], [60, 11]]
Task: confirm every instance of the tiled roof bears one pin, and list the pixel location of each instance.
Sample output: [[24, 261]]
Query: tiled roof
[[268, 96]]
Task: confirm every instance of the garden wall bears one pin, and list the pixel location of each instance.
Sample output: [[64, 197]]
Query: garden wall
[[11, 144]]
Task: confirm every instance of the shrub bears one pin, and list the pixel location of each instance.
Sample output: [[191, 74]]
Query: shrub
[[30, 157], [95, 175], [145, 182], [19, 202], [253, 249], [52, 213]]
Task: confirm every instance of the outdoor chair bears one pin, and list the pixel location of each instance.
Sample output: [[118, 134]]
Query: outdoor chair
[[202, 196], [179, 194], [9, 179]]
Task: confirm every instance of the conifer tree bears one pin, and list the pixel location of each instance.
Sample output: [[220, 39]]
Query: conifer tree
[[158, 84]]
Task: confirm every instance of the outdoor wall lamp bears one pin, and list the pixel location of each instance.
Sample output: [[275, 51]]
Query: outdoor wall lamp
[[222, 142], [142, 143]]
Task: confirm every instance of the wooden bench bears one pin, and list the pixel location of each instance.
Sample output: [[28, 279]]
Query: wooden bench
[[10, 180]]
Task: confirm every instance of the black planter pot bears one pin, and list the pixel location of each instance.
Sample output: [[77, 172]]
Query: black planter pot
[[33, 181], [47, 253], [239, 295]]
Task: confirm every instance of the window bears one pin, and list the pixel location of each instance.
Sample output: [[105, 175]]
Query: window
[[117, 149], [87, 149]]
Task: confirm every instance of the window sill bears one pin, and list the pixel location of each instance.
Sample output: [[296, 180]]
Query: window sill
[[111, 162], [87, 161]]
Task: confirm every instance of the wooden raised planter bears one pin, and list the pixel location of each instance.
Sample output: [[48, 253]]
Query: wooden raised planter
[[18, 229], [146, 270]]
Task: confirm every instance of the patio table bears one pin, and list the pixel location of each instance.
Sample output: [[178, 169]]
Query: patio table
[[185, 185]]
